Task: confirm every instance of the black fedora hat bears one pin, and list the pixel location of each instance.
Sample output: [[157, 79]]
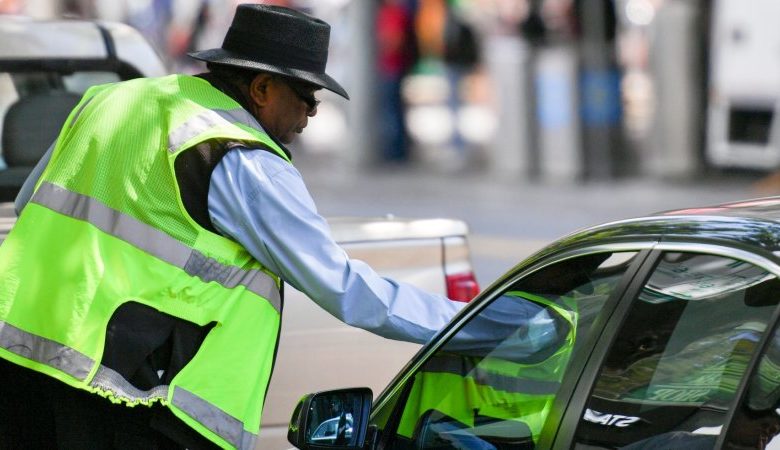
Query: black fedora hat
[[278, 40]]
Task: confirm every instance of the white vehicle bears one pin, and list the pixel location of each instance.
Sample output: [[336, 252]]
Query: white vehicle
[[44, 69], [744, 89], [47, 66]]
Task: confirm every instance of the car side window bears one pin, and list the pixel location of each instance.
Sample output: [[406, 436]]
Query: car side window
[[756, 422], [493, 383], [672, 370]]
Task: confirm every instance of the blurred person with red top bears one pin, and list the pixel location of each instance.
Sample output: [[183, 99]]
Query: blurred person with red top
[[396, 54]]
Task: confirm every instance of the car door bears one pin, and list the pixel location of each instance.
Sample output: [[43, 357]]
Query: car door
[[498, 376], [675, 358]]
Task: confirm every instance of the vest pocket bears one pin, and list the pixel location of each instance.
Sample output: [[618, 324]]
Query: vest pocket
[[148, 347]]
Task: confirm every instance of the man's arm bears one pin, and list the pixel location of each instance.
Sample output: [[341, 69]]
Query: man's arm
[[261, 201]]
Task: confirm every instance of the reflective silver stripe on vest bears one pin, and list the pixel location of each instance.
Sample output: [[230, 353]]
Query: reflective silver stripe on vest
[[220, 423], [466, 368], [206, 120], [110, 380], [44, 351], [155, 242], [209, 269]]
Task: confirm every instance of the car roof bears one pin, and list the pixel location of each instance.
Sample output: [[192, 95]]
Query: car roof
[[767, 208], [751, 224], [26, 39]]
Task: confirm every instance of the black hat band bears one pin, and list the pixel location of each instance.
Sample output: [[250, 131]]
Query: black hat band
[[248, 46]]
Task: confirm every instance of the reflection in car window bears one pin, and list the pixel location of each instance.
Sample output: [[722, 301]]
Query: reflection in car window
[[672, 370], [493, 383], [756, 422], [328, 432]]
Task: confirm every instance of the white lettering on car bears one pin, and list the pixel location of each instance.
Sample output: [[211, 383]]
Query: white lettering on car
[[612, 420]]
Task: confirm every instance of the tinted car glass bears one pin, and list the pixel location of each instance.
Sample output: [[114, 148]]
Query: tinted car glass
[[672, 370], [493, 383], [756, 422]]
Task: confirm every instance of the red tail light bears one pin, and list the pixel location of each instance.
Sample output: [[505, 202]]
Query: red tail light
[[462, 287]]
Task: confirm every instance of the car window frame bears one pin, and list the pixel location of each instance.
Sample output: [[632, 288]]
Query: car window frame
[[575, 405], [753, 366], [579, 360]]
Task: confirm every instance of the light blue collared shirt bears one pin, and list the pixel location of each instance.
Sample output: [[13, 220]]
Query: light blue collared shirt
[[261, 201]]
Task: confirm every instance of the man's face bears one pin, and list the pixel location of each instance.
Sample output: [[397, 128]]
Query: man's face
[[283, 105]]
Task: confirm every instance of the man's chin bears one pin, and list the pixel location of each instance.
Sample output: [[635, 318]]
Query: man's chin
[[288, 139]]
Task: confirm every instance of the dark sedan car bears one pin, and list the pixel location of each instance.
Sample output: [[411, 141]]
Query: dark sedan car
[[652, 333]]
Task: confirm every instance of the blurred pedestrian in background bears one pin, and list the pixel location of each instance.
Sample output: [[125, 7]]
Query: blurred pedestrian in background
[[199, 24], [396, 55], [447, 40], [461, 55], [150, 17], [169, 215], [188, 27]]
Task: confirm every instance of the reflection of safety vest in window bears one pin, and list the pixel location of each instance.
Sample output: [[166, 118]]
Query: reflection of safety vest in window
[[467, 388], [709, 369], [106, 226]]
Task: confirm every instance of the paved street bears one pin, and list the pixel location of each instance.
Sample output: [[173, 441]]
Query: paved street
[[508, 218]]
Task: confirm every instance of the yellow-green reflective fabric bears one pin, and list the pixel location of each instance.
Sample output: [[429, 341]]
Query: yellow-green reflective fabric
[[163, 116], [461, 386], [106, 226]]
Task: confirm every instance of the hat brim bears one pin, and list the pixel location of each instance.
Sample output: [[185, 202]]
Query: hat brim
[[221, 56]]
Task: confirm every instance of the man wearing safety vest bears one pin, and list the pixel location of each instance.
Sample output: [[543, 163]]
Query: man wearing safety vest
[[140, 289]]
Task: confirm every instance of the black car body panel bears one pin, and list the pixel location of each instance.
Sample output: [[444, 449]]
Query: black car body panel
[[743, 234]]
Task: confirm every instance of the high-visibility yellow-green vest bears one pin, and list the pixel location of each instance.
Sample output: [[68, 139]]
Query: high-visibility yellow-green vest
[[462, 386], [106, 226]]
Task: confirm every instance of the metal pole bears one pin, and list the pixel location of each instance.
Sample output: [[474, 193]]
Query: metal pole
[[600, 103], [362, 112], [675, 140], [507, 59]]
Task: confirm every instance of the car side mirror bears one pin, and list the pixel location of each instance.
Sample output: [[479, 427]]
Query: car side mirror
[[331, 419]]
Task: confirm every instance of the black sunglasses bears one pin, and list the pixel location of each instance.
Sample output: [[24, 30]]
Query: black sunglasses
[[304, 93]]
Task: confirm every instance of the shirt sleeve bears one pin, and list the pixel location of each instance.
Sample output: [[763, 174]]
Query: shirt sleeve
[[261, 201]]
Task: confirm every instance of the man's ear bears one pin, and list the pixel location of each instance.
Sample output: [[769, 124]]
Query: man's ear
[[259, 88]]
